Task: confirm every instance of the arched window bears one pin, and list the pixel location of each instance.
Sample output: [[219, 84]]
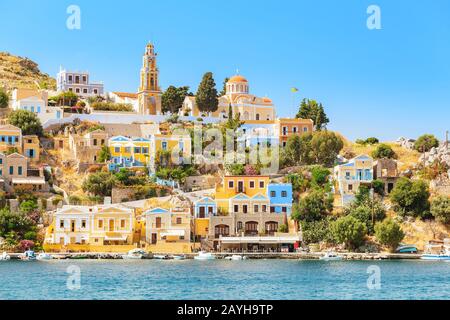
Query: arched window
[[221, 230], [257, 116], [251, 228], [271, 227]]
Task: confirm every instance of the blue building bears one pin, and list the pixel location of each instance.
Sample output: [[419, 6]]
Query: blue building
[[205, 208], [280, 196]]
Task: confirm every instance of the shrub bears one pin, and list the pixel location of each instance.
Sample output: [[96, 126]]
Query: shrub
[[110, 106], [378, 187], [384, 151], [350, 231], [426, 142], [4, 99], [283, 228], [440, 209], [315, 206], [411, 198], [389, 233]]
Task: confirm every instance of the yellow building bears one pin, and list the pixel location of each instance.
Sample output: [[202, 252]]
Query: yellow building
[[250, 107], [129, 152], [289, 127], [92, 228], [10, 138], [31, 147], [232, 186], [179, 147]]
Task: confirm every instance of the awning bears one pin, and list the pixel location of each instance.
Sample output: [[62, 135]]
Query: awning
[[262, 240], [172, 232], [116, 238], [37, 180]]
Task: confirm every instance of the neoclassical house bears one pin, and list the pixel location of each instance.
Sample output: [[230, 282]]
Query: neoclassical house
[[250, 107]]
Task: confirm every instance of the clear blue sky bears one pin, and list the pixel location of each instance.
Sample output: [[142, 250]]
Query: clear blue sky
[[384, 83]]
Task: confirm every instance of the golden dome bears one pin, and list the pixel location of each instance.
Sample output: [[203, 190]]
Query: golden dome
[[237, 78]]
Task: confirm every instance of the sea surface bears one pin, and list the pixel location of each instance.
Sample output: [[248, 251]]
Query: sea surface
[[222, 279]]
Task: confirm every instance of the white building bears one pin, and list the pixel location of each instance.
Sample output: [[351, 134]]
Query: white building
[[79, 83], [35, 101], [126, 98]]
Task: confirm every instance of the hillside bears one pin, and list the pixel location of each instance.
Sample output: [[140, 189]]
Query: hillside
[[22, 73]]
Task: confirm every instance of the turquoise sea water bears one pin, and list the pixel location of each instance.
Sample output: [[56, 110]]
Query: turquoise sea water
[[221, 279]]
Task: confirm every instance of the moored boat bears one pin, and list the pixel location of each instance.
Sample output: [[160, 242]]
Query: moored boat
[[28, 255], [5, 257], [178, 257], [161, 257], [236, 257], [43, 256], [202, 255], [134, 254], [330, 256], [437, 251]]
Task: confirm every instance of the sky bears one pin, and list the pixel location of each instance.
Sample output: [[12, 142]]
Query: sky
[[387, 83]]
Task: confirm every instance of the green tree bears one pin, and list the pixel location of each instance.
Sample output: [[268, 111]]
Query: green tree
[[16, 223], [27, 121], [389, 233], [411, 197], [99, 184], [378, 187], [104, 155], [325, 147], [316, 231], [372, 140], [315, 206], [224, 88], [28, 206], [4, 99], [206, 97], [350, 231], [368, 212], [311, 109], [67, 98], [384, 151], [425, 142], [319, 176], [172, 99], [440, 209]]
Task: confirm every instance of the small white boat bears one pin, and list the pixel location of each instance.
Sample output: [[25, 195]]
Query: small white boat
[[181, 257], [44, 256], [436, 257], [28, 255], [236, 257], [202, 255], [160, 257], [134, 254], [5, 257], [330, 256]]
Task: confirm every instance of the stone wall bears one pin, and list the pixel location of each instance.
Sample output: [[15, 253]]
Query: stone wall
[[120, 194]]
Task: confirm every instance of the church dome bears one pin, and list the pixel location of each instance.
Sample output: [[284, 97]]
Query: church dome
[[237, 78]]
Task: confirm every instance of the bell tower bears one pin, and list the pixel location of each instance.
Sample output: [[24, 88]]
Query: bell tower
[[149, 94]]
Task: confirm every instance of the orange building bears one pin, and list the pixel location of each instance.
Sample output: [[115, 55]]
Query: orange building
[[289, 127]]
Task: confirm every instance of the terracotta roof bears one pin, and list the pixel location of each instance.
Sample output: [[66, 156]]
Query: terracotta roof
[[237, 78], [26, 93], [126, 95]]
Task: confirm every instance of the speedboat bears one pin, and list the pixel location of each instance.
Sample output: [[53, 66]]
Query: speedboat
[[134, 254], [202, 255], [28, 255], [330, 256], [44, 256], [5, 257], [444, 255]]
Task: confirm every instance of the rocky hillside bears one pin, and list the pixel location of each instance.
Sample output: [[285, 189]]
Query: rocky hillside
[[22, 73]]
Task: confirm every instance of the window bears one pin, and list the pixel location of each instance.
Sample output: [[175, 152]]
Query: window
[[239, 225], [61, 224], [100, 224], [284, 194], [305, 129], [19, 169], [145, 150], [284, 143], [77, 90], [350, 187], [252, 184], [284, 209], [95, 142], [122, 223], [1, 161], [264, 208], [84, 79], [117, 149], [261, 184], [85, 91], [70, 89], [137, 150], [230, 184], [245, 208], [255, 208], [70, 79], [179, 220], [285, 131], [164, 145], [83, 224], [273, 194], [236, 208], [95, 91], [127, 149], [11, 170], [294, 129], [257, 116]]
